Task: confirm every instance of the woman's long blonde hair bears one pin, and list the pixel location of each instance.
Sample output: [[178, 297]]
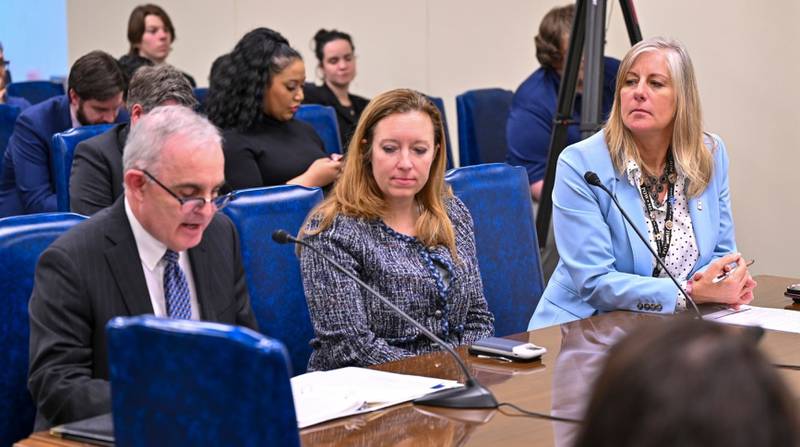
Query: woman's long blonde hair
[[692, 158], [356, 194]]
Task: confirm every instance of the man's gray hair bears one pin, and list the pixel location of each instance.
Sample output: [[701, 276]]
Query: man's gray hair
[[150, 86], [148, 137]]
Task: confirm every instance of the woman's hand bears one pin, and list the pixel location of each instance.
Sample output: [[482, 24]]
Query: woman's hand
[[321, 173], [735, 290]]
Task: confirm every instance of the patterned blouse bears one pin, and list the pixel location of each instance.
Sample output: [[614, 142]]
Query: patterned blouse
[[683, 252], [354, 328]]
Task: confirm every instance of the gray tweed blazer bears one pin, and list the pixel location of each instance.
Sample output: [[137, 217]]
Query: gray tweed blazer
[[355, 329]]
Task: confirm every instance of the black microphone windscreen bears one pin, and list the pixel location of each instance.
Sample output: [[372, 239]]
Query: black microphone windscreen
[[592, 178], [281, 236]]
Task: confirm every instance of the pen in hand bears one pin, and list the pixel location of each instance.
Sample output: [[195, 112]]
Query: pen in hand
[[724, 275]]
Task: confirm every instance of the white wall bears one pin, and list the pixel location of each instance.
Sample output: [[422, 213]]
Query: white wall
[[743, 53]]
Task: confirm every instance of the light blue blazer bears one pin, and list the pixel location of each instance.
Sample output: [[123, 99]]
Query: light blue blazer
[[604, 266]]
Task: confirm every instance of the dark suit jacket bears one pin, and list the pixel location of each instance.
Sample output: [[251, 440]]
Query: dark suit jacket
[[93, 273], [347, 118], [26, 183], [96, 178]]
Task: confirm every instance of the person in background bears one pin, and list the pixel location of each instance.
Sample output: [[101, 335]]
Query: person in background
[[253, 95], [337, 64], [689, 383], [94, 96], [96, 179], [393, 221], [5, 79], [150, 34], [162, 248], [670, 177], [533, 108]]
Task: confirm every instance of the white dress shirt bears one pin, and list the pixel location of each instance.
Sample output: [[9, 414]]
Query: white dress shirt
[[151, 253]]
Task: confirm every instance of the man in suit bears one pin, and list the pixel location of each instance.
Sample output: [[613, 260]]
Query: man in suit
[[160, 249], [96, 84], [96, 179]]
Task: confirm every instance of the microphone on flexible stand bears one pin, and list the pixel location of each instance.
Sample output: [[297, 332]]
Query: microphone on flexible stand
[[472, 395], [593, 179]]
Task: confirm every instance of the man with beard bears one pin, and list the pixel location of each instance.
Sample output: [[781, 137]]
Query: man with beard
[[96, 85]]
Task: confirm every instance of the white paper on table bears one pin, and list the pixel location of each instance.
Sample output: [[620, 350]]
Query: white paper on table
[[774, 319], [324, 395]]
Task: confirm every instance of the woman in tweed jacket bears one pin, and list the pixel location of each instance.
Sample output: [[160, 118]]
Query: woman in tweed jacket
[[393, 221]]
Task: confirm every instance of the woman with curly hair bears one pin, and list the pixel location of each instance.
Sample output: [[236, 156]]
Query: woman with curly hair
[[253, 95]]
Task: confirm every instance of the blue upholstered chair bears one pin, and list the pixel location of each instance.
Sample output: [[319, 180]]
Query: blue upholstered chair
[[35, 91], [498, 197], [22, 240], [273, 270], [183, 382], [63, 148], [201, 94], [482, 116], [8, 116], [439, 103], [323, 120]]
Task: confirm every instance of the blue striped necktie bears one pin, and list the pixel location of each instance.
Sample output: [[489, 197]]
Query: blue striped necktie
[[176, 289]]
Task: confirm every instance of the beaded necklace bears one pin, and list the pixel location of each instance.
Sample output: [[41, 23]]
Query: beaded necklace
[[429, 255], [651, 187]]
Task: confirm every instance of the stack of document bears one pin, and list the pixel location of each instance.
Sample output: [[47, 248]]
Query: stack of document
[[768, 318], [324, 395]]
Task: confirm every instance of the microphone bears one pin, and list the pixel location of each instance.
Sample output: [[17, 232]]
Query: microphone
[[593, 179], [472, 395]]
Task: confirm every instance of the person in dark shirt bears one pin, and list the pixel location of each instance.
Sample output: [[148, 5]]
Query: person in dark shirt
[[96, 180], [253, 95], [533, 109], [337, 64], [150, 33]]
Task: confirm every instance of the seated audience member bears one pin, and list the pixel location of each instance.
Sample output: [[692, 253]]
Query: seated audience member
[[254, 94], [94, 96], [670, 177], [393, 221], [5, 98], [150, 34], [689, 383], [161, 249], [337, 63], [96, 179], [533, 108]]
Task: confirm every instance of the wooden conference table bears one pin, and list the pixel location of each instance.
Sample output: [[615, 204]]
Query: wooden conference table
[[558, 385]]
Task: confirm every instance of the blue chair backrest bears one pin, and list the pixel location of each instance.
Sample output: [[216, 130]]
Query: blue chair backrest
[[201, 94], [482, 116], [439, 103], [8, 116], [183, 382], [22, 240], [498, 197], [36, 91], [323, 120], [63, 148], [273, 270]]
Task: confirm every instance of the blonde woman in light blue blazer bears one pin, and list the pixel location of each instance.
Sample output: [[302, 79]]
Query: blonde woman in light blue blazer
[[670, 177]]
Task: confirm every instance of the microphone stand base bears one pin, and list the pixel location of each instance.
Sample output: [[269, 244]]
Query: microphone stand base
[[472, 395]]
